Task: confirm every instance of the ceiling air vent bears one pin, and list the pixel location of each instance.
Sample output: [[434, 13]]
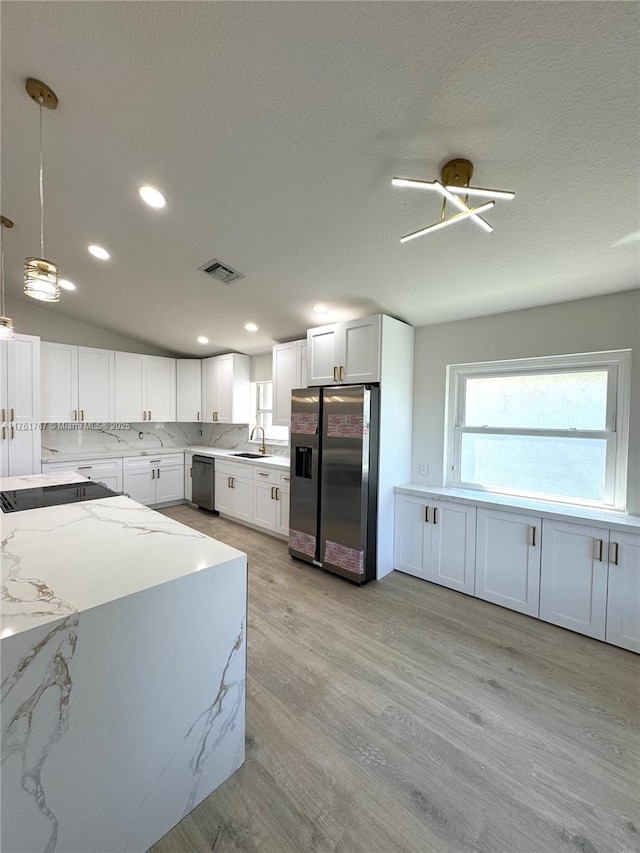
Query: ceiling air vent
[[220, 271]]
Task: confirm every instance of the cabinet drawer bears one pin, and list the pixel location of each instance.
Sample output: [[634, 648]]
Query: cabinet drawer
[[113, 465], [284, 478], [142, 463], [233, 469], [265, 475]]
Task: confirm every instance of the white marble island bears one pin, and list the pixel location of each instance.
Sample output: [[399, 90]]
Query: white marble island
[[123, 674]]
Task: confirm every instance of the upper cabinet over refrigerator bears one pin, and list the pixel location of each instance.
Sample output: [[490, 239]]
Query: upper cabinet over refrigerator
[[346, 353]]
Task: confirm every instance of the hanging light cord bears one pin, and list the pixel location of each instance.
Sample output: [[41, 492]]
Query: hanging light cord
[[41, 187]]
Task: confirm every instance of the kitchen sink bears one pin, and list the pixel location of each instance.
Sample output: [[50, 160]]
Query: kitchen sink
[[252, 455]]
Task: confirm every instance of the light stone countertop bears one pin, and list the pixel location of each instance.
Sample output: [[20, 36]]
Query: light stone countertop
[[67, 559], [34, 481], [546, 509], [276, 461]]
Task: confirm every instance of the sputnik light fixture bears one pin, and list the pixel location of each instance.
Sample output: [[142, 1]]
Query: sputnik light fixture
[[455, 177], [41, 277], [6, 323]]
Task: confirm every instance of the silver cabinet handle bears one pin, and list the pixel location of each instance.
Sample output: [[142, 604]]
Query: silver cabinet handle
[[286, 480], [233, 482], [144, 416], [229, 482], [341, 373], [426, 515], [532, 535], [277, 494], [598, 544], [335, 374], [614, 553], [149, 414], [435, 515], [75, 414], [273, 497]]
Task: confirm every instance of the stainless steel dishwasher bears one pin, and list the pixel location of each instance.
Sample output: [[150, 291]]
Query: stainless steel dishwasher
[[203, 482]]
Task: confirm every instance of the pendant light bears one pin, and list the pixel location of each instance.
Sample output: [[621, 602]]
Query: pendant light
[[6, 323], [42, 277]]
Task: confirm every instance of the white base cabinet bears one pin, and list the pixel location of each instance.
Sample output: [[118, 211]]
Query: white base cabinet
[[188, 476], [234, 490], [254, 494], [155, 480], [623, 600], [508, 559], [106, 471], [435, 540]]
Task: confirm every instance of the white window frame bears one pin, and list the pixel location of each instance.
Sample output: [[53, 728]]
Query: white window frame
[[617, 363], [256, 411]]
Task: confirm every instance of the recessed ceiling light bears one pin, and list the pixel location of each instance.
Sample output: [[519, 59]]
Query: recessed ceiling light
[[321, 309], [251, 327], [99, 252], [203, 340], [65, 284], [152, 196]]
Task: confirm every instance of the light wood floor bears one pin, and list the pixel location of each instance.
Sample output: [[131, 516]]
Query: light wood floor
[[402, 717]]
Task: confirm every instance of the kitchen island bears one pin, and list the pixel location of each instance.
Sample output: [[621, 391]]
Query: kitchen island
[[123, 644]]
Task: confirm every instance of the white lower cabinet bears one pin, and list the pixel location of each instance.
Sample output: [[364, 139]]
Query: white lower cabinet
[[188, 476], [435, 540], [573, 579], [155, 480], [234, 487], [508, 559], [264, 505], [105, 471], [283, 495], [623, 601]]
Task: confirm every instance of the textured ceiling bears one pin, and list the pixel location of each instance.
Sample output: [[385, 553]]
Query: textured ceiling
[[274, 130]]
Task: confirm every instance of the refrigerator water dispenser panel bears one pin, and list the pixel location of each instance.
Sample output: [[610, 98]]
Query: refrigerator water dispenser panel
[[303, 462]]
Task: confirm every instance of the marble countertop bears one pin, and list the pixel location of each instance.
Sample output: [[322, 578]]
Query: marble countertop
[[67, 559], [614, 520], [34, 481], [276, 461]]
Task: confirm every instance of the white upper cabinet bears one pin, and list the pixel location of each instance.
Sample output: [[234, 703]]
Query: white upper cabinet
[[289, 372], [145, 387], [345, 352], [77, 383], [20, 404], [188, 390], [226, 389]]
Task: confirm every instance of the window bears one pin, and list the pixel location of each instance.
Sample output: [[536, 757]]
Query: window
[[553, 428], [263, 414]]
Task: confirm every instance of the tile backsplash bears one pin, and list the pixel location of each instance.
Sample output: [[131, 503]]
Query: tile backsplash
[[94, 438]]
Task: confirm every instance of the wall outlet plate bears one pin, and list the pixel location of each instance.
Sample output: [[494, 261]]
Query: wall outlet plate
[[423, 469]]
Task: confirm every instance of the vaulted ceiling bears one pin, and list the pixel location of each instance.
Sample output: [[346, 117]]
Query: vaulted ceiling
[[274, 130]]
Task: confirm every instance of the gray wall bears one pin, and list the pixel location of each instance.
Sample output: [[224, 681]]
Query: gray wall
[[50, 325], [587, 325]]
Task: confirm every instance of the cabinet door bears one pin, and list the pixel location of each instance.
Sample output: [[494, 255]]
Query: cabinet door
[[623, 604], [224, 493], [243, 498], [360, 357], [573, 579], [286, 376], [210, 389], [59, 382], [4, 426], [453, 546], [160, 388], [264, 505], [23, 404], [323, 354], [410, 535], [225, 384], [188, 390], [282, 511], [169, 483], [303, 355], [96, 384], [130, 387], [141, 486], [508, 559], [188, 476]]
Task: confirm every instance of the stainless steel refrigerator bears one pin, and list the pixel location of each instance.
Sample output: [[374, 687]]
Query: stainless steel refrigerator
[[334, 479]]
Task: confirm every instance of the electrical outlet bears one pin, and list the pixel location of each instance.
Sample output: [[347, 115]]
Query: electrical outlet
[[423, 469]]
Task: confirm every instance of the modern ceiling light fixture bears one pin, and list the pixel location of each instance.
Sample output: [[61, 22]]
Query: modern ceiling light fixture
[[41, 277], [152, 196], [455, 177], [6, 323]]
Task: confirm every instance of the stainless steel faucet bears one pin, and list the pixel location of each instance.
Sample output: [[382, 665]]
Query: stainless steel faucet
[[262, 449]]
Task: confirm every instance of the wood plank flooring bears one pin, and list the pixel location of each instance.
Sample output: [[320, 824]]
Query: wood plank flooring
[[402, 717]]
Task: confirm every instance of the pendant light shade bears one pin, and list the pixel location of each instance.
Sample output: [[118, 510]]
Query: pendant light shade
[[41, 277], [6, 323]]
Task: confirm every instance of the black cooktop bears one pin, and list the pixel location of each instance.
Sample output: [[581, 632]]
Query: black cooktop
[[18, 500]]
